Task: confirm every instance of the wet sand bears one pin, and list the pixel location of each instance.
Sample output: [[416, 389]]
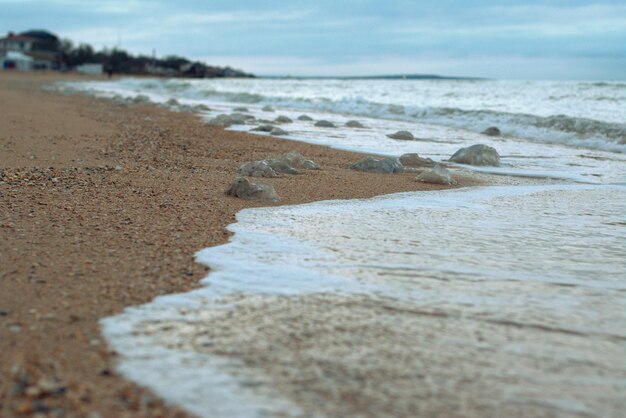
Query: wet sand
[[103, 207]]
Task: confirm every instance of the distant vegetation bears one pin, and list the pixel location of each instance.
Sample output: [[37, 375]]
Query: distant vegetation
[[120, 61]]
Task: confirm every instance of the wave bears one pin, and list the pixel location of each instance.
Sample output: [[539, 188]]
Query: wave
[[556, 129]]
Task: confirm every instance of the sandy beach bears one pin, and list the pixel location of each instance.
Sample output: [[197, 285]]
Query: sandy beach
[[103, 207]]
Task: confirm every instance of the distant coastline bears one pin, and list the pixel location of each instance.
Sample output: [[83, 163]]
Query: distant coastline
[[374, 77]]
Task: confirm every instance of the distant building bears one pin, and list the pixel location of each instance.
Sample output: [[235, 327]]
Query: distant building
[[90, 69], [41, 46]]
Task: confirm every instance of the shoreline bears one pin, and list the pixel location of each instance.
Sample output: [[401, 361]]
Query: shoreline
[[103, 208]]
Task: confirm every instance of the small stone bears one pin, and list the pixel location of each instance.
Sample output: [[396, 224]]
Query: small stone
[[378, 165], [3, 312], [267, 108], [263, 128], [240, 109], [354, 124], [492, 131], [305, 118], [437, 175], [478, 154], [283, 119], [402, 135], [414, 160], [244, 189], [324, 124], [118, 168], [54, 180], [202, 108], [279, 132], [256, 169], [32, 392], [172, 102]]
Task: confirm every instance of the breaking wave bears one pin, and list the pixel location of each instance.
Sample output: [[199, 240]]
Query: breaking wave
[[606, 135]]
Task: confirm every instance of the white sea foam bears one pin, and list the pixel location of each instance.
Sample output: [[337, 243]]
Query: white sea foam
[[470, 254], [588, 115]]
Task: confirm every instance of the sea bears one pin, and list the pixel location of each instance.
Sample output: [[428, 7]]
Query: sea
[[507, 299]]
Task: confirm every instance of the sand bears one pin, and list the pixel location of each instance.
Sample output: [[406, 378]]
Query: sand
[[103, 207]]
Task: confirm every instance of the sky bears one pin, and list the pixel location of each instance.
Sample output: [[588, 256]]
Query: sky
[[507, 39]]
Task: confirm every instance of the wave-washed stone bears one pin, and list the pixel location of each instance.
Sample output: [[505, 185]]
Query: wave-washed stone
[[478, 154], [283, 119], [278, 132], [437, 175], [354, 124], [402, 135], [324, 124], [305, 118], [492, 131]]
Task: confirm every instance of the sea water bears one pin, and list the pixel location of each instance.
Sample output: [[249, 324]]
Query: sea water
[[502, 300]]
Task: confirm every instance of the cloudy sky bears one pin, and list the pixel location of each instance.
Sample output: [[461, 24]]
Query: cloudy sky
[[517, 39]]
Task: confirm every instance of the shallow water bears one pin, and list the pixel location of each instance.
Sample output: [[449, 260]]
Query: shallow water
[[460, 269]]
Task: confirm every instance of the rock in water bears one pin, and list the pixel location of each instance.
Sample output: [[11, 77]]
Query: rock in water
[[492, 131], [232, 119], [414, 160], [278, 132], [202, 108], [403, 135], [256, 169], [436, 175], [305, 118], [263, 128], [267, 108], [478, 154], [378, 165], [244, 189], [324, 124], [172, 102], [240, 109], [354, 124], [283, 119]]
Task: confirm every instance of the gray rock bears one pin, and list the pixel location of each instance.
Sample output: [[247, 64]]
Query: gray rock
[[324, 124], [243, 117], [279, 132], [492, 131], [297, 160], [414, 160], [222, 121], [172, 102], [267, 108], [263, 128], [436, 175], [378, 165], [140, 98], [242, 188], [354, 124], [281, 166], [202, 108], [256, 169], [403, 135], [240, 109], [478, 154], [283, 119], [305, 118]]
